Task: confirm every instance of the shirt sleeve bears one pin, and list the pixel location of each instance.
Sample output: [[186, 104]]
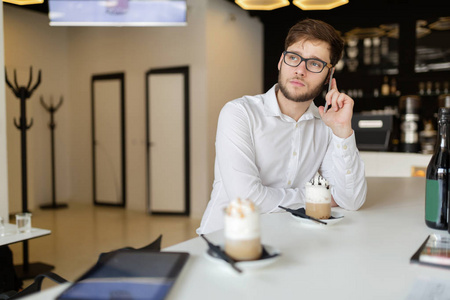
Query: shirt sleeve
[[344, 170], [235, 154]]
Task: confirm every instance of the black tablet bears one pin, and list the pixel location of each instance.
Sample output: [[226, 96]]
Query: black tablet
[[129, 275]]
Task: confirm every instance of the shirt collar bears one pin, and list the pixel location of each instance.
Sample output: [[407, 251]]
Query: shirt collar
[[272, 109]]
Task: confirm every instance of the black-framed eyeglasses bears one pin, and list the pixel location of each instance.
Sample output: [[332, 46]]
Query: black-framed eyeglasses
[[313, 65]]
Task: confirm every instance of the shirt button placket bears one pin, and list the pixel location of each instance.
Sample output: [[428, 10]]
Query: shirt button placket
[[294, 153]]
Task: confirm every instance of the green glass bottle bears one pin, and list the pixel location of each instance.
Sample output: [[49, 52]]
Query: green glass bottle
[[437, 192]]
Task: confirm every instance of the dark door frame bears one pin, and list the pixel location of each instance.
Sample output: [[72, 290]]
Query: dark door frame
[[184, 70], [112, 76]]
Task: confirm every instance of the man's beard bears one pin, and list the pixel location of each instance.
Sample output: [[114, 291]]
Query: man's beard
[[300, 97]]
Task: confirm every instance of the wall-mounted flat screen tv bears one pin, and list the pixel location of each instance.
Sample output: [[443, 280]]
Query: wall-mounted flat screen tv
[[117, 12]]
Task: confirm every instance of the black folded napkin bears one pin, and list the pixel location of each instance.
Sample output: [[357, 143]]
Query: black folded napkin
[[217, 251], [302, 214], [301, 210], [264, 255]]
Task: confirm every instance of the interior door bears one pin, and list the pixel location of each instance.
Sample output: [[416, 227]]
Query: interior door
[[168, 141], [108, 139]]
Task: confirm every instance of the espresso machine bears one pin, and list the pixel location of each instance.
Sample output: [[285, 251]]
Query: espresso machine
[[410, 126], [375, 132]]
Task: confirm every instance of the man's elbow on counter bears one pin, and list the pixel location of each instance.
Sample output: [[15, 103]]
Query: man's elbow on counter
[[355, 201]]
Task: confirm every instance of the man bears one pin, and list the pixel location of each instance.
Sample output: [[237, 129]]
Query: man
[[268, 146]]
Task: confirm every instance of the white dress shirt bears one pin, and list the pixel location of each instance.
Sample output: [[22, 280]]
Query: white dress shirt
[[267, 157]]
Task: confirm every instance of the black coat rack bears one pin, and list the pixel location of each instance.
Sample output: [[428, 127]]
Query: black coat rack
[[52, 110], [27, 270], [23, 93]]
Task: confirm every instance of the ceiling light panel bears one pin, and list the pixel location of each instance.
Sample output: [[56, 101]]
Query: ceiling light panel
[[318, 4], [261, 4]]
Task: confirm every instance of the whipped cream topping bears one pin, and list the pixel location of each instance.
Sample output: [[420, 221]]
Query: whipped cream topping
[[318, 190], [319, 181], [241, 220]]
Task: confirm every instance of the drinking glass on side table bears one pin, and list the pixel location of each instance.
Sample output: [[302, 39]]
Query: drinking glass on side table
[[2, 227], [23, 222]]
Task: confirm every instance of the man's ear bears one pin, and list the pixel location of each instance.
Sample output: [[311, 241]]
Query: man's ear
[[280, 62]]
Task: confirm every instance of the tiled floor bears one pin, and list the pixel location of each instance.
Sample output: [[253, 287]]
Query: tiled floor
[[81, 232]]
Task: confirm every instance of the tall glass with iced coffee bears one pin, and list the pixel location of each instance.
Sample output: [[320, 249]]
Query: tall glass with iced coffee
[[242, 230], [318, 198]]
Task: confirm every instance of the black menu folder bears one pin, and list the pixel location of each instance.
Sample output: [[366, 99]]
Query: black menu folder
[[129, 275], [435, 251]]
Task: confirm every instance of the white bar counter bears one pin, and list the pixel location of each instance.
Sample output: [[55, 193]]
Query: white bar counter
[[394, 164], [364, 256]]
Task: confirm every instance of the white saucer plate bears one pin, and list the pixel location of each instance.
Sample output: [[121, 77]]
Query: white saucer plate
[[339, 217], [248, 265]]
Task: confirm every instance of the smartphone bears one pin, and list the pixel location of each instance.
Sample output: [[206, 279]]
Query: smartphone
[[329, 88]]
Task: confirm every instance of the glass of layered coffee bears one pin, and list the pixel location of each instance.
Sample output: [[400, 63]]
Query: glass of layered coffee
[[318, 198], [242, 230]]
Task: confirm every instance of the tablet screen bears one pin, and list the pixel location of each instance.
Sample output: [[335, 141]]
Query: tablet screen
[[129, 275]]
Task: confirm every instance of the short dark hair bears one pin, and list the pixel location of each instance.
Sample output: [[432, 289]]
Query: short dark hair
[[310, 29]]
